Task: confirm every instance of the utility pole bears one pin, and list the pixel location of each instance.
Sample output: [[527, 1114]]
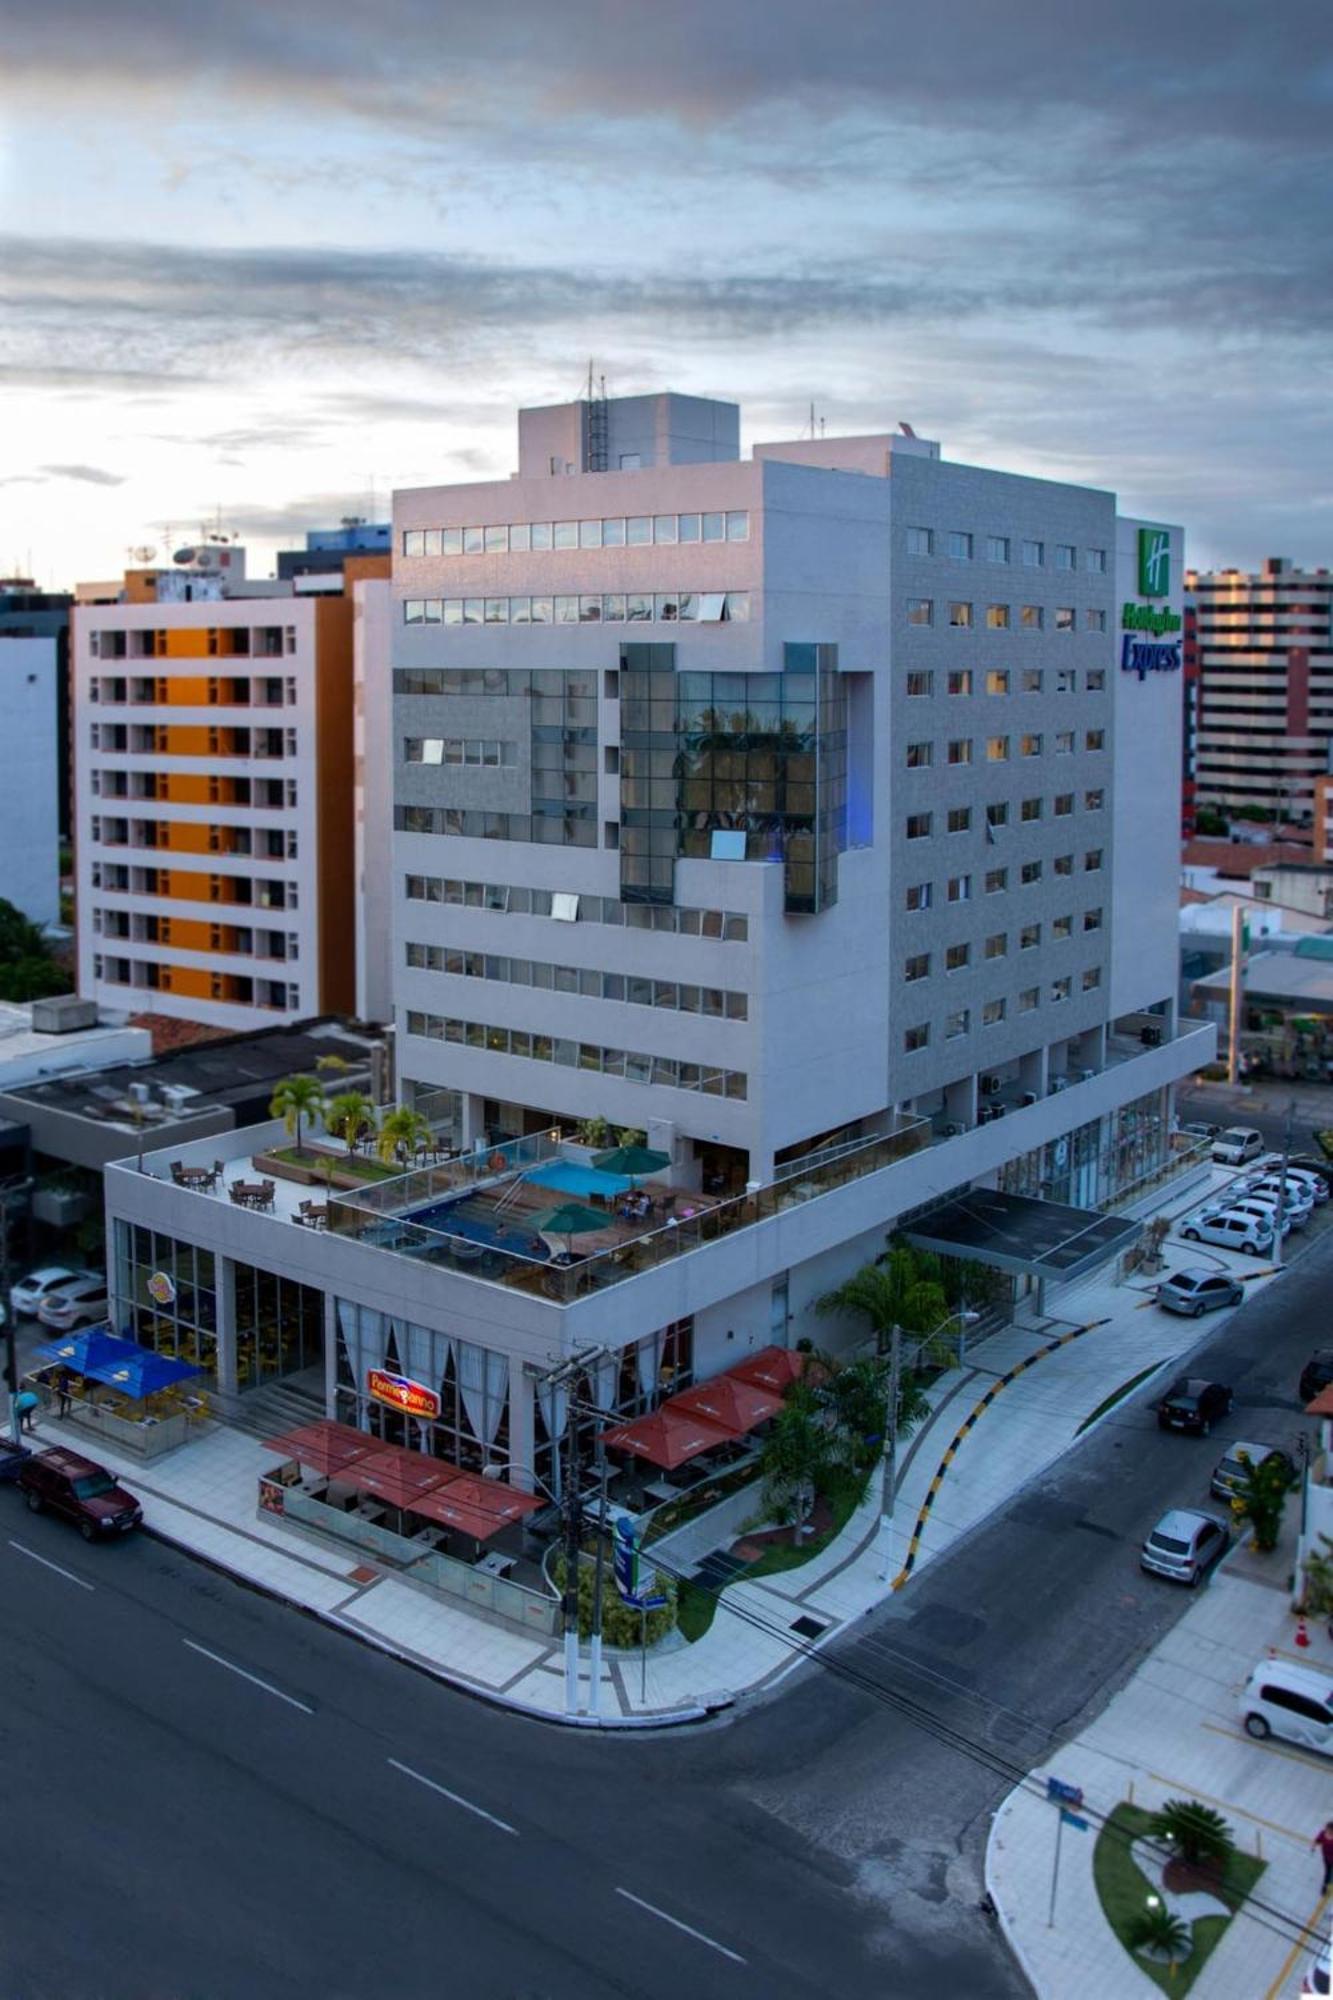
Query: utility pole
[[1282, 1185], [7, 1297], [565, 1375], [890, 1486], [595, 1651], [1237, 987]]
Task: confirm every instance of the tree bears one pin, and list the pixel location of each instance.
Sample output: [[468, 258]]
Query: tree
[[857, 1393], [1263, 1495], [296, 1099], [27, 969], [893, 1292], [1160, 1931], [349, 1116], [800, 1453], [1199, 1835], [401, 1131]]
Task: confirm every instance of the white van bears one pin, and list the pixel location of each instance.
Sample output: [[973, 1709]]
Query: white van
[[1296, 1703], [1236, 1145]]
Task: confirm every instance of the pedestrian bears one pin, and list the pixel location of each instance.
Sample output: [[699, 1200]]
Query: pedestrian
[[62, 1392], [27, 1406], [1323, 1840]]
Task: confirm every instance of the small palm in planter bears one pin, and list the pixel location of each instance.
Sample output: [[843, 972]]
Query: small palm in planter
[[1201, 1844], [1262, 1497], [1161, 1935]]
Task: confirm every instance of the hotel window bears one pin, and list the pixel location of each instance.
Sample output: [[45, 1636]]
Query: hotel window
[[920, 541], [920, 755], [920, 611], [1064, 742], [1030, 743], [960, 819], [960, 614], [960, 750], [918, 896], [997, 617], [918, 826], [1060, 989], [1029, 937], [997, 680], [997, 813], [1062, 927], [997, 749], [960, 545], [1094, 801], [1092, 861], [957, 1023], [1066, 555], [1034, 554], [1029, 999], [957, 956], [997, 548], [1030, 873], [1092, 920], [1094, 560], [1031, 617], [1063, 864], [960, 680], [916, 1038], [998, 945], [1066, 681], [992, 1012], [1030, 681], [997, 881], [1029, 810], [917, 967], [1064, 618], [1095, 739], [960, 888], [920, 683], [1096, 680], [1063, 805], [1092, 978], [1094, 620]]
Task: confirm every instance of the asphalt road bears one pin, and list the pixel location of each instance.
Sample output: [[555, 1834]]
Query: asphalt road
[[211, 1795]]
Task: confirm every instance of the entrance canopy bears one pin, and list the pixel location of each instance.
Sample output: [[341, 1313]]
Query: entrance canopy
[[1015, 1232]]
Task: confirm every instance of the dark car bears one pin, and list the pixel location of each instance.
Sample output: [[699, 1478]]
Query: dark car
[[84, 1491], [1316, 1374], [1310, 1163], [1193, 1404], [1198, 1290]]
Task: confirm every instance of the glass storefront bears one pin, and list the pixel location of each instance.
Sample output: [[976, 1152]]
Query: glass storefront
[[178, 1317], [1097, 1162], [279, 1326]]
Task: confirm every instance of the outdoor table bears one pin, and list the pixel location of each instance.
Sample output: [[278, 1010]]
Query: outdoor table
[[659, 1489], [496, 1565], [194, 1177]]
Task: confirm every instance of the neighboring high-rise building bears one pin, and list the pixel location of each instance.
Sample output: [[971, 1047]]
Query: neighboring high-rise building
[[29, 613], [327, 549], [215, 790], [1265, 686], [29, 783]]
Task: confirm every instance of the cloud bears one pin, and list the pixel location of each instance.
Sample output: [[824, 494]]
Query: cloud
[[90, 475]]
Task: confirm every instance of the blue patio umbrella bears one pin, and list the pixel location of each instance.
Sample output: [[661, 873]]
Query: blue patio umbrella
[[143, 1373], [82, 1351]]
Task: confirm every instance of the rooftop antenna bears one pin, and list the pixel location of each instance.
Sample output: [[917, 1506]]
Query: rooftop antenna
[[599, 444]]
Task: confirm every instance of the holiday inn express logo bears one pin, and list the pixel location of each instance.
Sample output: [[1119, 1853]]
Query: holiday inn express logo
[[1154, 562]]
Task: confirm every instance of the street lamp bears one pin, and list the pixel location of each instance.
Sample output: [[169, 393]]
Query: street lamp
[[890, 1470], [17, 1191]]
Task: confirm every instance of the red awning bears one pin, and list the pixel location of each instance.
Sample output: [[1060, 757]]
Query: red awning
[[667, 1438], [397, 1476], [324, 1446], [494, 1497], [457, 1505], [737, 1405], [772, 1368]]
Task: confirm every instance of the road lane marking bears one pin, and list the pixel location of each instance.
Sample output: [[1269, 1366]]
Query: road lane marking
[[253, 1679], [454, 1798], [33, 1556], [1309, 1759], [688, 1929]]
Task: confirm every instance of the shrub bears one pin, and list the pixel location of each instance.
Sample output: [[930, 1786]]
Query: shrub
[[1263, 1496], [1198, 1834], [1160, 1930], [621, 1623]]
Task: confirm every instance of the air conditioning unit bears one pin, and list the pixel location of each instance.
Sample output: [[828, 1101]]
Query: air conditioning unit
[[990, 1084]]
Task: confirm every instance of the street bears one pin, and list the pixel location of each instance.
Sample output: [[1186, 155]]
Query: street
[[213, 1795]]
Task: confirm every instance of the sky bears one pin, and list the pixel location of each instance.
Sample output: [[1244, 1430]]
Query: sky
[[262, 262]]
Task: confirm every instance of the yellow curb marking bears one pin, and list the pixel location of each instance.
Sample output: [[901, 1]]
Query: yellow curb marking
[[1211, 1798]]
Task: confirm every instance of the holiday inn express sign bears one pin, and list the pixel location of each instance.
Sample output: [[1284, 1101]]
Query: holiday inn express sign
[[1146, 644], [1154, 562]]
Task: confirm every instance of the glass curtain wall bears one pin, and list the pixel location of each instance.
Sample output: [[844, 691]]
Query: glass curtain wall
[[186, 1324], [279, 1326]]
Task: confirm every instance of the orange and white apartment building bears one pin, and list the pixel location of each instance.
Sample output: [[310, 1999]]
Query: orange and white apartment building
[[215, 794]]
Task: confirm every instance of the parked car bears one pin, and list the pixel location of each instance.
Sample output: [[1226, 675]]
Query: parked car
[[1194, 1404], [1315, 1184], [1295, 1197], [78, 1302], [1310, 1163], [1184, 1545], [1283, 1699], [1318, 1974], [1231, 1231], [30, 1291], [1231, 1472], [1316, 1374], [1261, 1208], [1236, 1145], [1197, 1291], [1197, 1129], [83, 1491]]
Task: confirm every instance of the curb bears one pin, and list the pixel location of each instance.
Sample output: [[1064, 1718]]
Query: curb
[[1001, 1916]]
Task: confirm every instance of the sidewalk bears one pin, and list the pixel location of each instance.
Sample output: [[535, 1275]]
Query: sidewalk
[[1173, 1732], [203, 1499]]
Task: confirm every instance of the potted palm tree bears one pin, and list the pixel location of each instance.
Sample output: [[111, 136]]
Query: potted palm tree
[[350, 1116], [296, 1099], [401, 1131]]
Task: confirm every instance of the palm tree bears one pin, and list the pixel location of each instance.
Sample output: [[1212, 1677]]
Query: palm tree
[[894, 1292], [350, 1116], [1199, 1835], [799, 1454], [296, 1099], [400, 1132]]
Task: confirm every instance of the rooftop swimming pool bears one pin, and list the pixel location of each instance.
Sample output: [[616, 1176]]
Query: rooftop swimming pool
[[568, 1177], [477, 1219]]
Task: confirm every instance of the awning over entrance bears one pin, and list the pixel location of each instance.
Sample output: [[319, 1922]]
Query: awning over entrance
[[1016, 1232]]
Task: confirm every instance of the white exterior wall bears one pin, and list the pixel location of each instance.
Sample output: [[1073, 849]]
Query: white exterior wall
[[29, 783], [372, 727], [299, 972]]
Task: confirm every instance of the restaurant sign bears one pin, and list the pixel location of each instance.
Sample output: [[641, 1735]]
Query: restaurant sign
[[161, 1289], [414, 1399]]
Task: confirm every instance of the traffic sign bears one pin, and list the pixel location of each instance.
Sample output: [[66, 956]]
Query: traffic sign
[[1062, 1794], [1072, 1819]]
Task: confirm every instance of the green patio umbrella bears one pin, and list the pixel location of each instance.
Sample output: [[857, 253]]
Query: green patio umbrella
[[632, 1161], [571, 1219]]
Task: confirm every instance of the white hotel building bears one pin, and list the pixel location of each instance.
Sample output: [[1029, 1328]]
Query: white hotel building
[[797, 811]]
